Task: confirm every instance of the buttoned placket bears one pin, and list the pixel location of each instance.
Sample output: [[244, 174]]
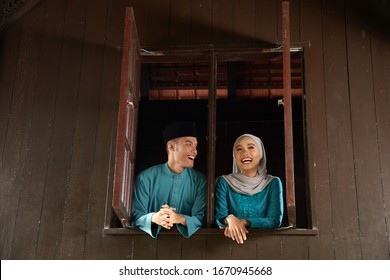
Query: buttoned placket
[[175, 191]]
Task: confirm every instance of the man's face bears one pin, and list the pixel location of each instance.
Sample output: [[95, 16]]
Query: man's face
[[184, 151]]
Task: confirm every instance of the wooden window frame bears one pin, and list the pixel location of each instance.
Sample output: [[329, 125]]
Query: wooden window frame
[[127, 123], [127, 130]]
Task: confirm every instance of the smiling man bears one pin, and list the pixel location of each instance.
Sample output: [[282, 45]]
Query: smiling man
[[172, 194]]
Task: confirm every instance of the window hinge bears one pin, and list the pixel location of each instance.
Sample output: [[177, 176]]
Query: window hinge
[[129, 103]]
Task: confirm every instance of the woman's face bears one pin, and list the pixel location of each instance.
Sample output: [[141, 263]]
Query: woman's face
[[247, 156]]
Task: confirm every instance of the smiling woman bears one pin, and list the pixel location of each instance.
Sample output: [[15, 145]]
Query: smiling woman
[[248, 197]]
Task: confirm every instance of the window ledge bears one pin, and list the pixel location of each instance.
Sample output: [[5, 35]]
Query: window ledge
[[278, 231]]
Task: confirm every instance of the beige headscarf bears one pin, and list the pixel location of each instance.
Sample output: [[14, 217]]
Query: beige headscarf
[[249, 185]]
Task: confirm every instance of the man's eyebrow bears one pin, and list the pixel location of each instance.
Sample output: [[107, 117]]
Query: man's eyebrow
[[190, 141]]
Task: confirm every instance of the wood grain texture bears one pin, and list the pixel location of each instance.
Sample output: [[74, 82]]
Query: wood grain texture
[[339, 134], [97, 245], [61, 146], [365, 138], [40, 135], [320, 247], [16, 146], [380, 53], [81, 168]]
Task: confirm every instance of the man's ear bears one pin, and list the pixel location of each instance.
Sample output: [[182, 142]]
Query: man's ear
[[170, 145]]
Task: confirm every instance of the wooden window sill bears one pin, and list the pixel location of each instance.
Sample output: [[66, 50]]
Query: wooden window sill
[[279, 231]]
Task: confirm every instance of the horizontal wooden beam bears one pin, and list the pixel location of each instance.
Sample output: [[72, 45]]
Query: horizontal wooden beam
[[216, 231]]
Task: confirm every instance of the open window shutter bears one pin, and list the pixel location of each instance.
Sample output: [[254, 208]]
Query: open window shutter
[[127, 122]]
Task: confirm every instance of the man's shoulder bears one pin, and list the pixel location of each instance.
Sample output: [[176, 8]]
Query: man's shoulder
[[152, 170], [196, 173]]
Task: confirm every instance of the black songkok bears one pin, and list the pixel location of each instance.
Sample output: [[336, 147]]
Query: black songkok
[[179, 129]]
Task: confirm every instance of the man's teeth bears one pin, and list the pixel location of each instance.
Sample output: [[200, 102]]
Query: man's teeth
[[191, 157]]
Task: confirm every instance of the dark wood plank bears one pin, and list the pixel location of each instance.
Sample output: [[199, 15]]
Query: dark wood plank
[[294, 248], [320, 247], [118, 248], [169, 247], [201, 22], [269, 248], [244, 21], [194, 248], [180, 22], [247, 250], [295, 32], [16, 142], [96, 244], [380, 52], [8, 55], [267, 19], [218, 247], [141, 14], [365, 137], [340, 152], [34, 181], [158, 25], [145, 248], [223, 21], [61, 146], [80, 184]]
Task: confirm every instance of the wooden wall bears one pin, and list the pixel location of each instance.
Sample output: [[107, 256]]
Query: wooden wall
[[59, 85]]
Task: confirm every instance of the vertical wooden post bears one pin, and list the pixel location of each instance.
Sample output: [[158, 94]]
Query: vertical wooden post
[[212, 131], [288, 126]]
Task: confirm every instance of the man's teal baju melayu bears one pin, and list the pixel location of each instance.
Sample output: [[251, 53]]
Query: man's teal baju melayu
[[157, 186]]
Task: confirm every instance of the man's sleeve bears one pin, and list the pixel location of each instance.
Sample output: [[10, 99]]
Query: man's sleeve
[[196, 220], [142, 218]]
